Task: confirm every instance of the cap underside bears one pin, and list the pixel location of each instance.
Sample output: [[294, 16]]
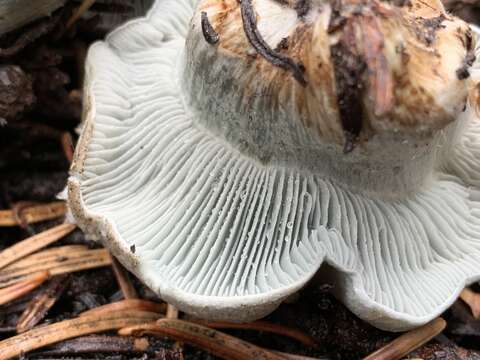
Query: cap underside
[[220, 235]]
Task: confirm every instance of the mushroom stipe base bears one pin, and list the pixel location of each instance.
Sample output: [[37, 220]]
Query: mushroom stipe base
[[222, 236]]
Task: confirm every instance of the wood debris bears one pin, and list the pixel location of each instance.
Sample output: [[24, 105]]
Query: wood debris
[[408, 342], [42, 303], [22, 288], [34, 214], [57, 261], [213, 341], [68, 329], [127, 305]]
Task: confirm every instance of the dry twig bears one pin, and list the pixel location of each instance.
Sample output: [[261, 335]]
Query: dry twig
[[34, 214], [22, 288], [408, 342], [213, 341], [42, 303], [50, 334], [34, 243]]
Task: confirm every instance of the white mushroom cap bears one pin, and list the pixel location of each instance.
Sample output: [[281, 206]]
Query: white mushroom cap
[[225, 207]]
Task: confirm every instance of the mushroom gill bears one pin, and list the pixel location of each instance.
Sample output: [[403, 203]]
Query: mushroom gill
[[230, 148]]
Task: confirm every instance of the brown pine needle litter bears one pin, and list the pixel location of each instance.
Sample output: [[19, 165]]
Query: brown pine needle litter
[[68, 329], [94, 344], [34, 243], [127, 305], [22, 288], [128, 290], [18, 209], [173, 313], [213, 341], [406, 343], [42, 303], [82, 9], [66, 141], [25, 266], [59, 253], [296, 357], [34, 214], [472, 299], [262, 326], [62, 260]]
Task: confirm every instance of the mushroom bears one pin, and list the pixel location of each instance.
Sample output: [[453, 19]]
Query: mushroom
[[230, 148], [16, 13]]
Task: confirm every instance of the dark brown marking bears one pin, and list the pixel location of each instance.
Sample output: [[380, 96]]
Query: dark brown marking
[[209, 33], [256, 40], [360, 65], [463, 72], [427, 28], [349, 70], [282, 45], [303, 7]]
